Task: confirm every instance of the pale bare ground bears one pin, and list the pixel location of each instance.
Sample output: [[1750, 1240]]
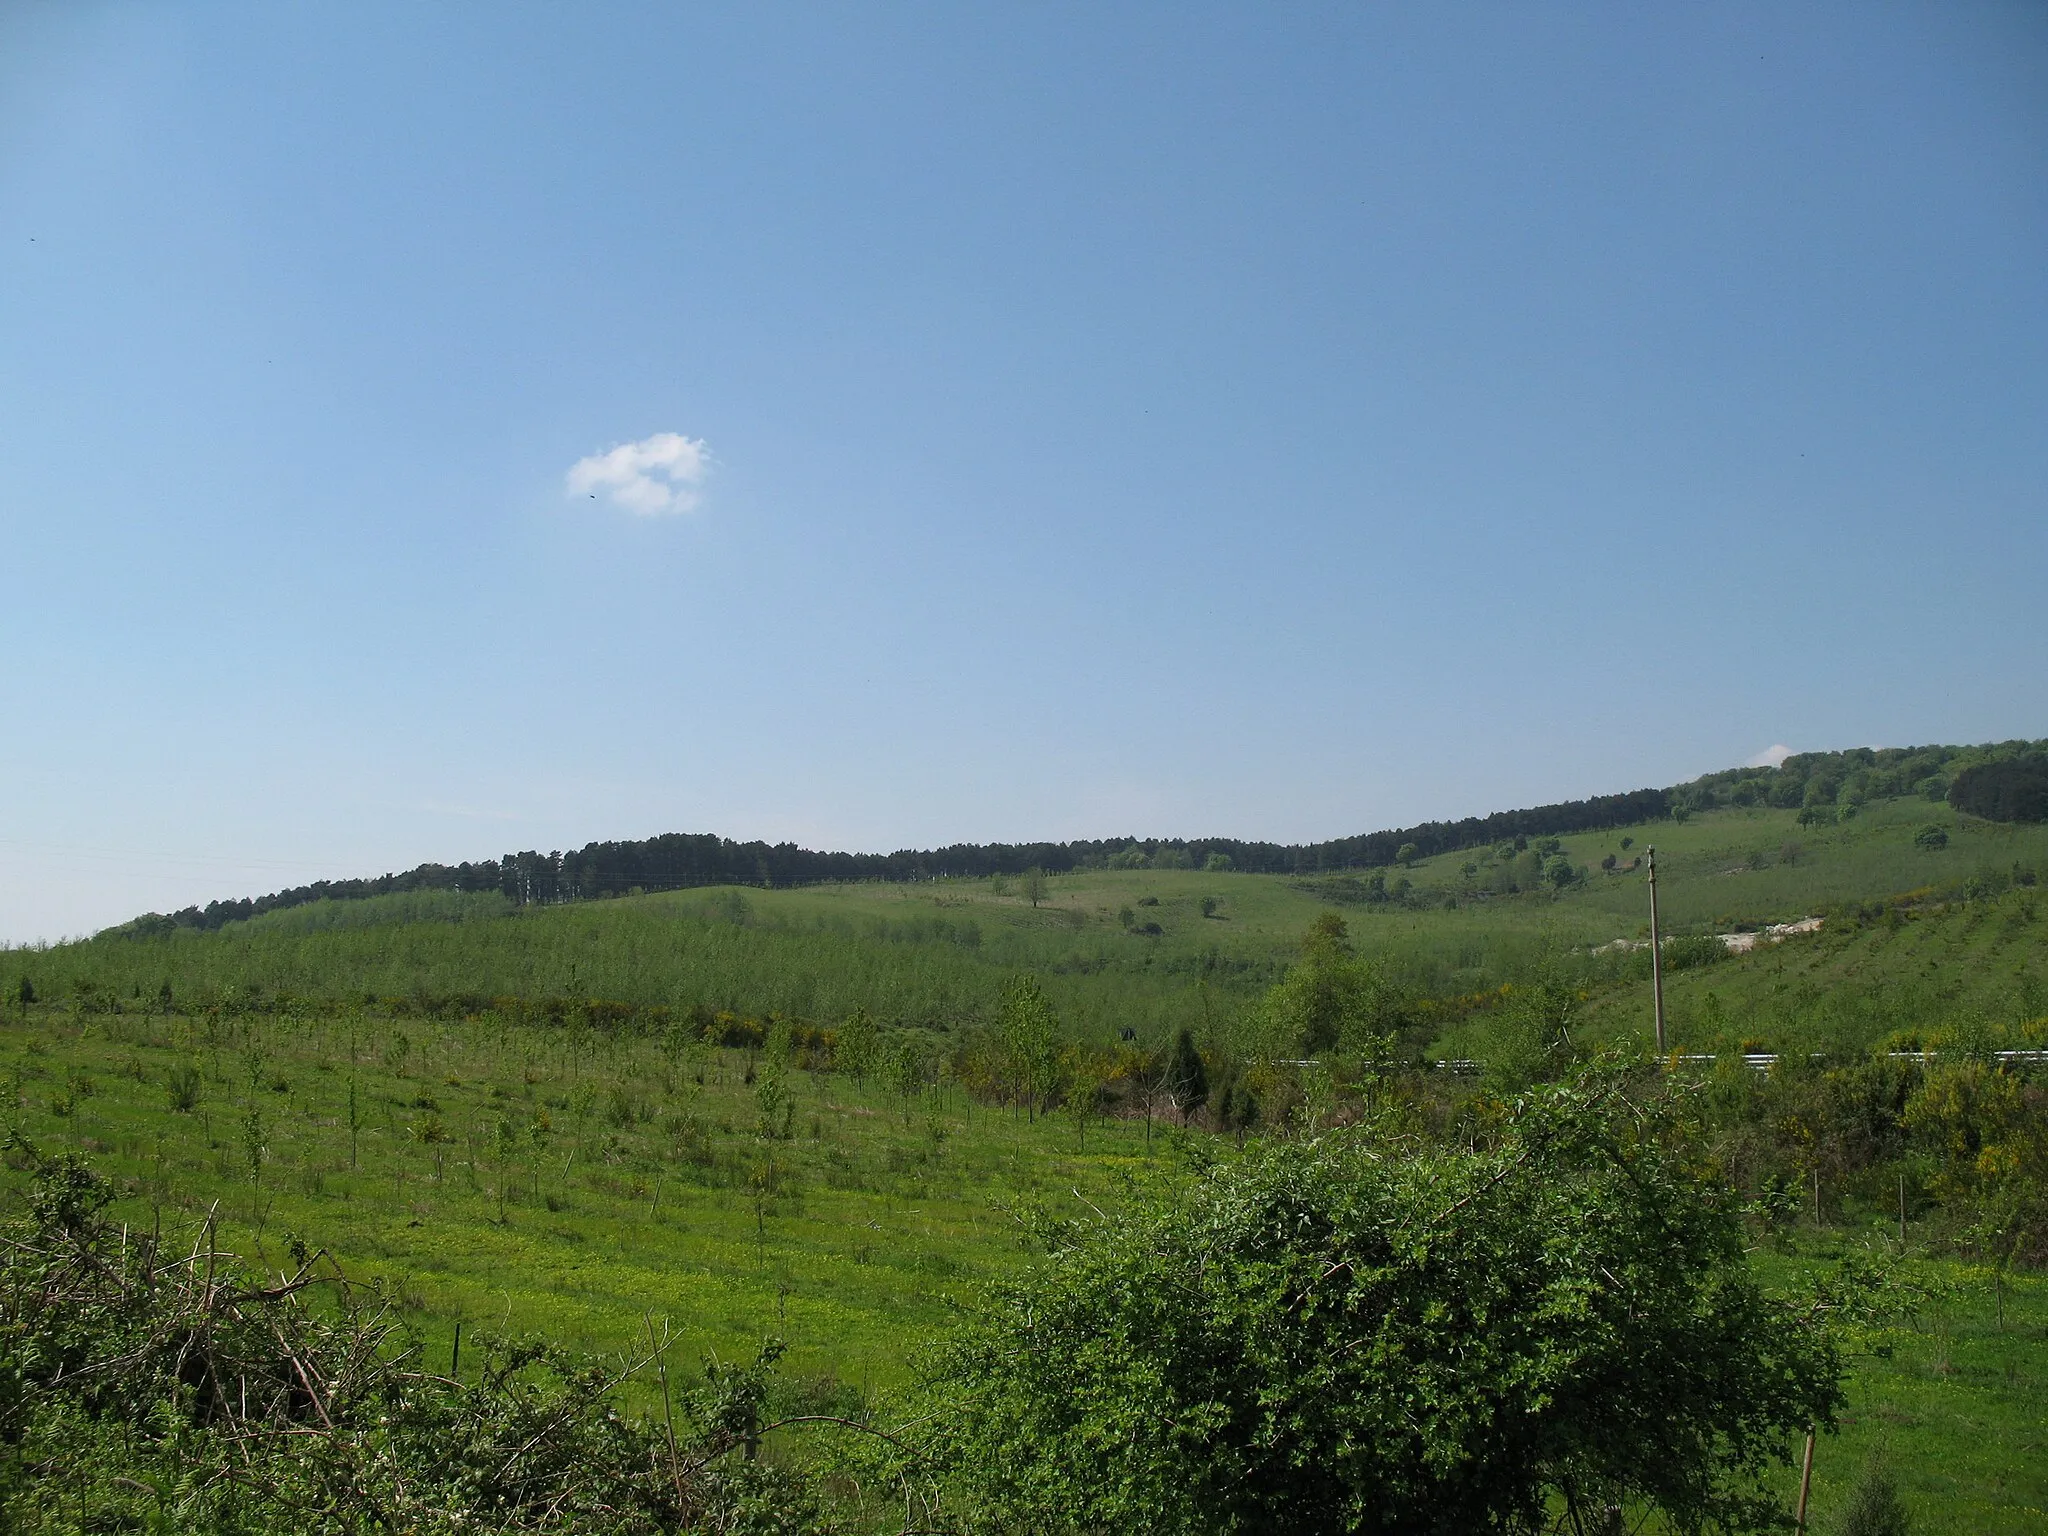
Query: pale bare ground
[[1738, 943]]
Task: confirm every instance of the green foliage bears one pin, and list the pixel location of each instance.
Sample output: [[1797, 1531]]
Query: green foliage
[[167, 1388], [872, 1220], [909, 1065], [1029, 1031], [857, 1049], [254, 1144], [181, 1088], [1323, 1338], [1688, 950], [2012, 789], [383, 912], [1874, 1509], [1932, 837], [1531, 1041], [1985, 1132], [774, 1108], [1187, 1079], [1330, 1000]]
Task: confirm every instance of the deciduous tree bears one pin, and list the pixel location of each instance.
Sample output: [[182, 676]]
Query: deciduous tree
[[1187, 1079]]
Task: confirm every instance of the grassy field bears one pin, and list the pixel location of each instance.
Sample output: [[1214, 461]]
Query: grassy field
[[533, 1179], [1956, 1411], [526, 1176], [650, 1194], [939, 953]]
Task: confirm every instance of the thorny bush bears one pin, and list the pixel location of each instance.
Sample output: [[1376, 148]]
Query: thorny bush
[[160, 1387]]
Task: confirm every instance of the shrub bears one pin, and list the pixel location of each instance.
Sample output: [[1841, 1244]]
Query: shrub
[[1874, 1509], [181, 1087], [1693, 949], [1931, 837], [165, 1387], [1325, 1338]]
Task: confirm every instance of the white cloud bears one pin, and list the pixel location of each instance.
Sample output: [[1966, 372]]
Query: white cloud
[[657, 475], [1770, 757]]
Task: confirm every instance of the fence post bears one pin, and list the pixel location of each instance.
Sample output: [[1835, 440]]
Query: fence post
[[1805, 1484]]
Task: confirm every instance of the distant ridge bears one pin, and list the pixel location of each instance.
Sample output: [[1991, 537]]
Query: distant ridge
[[1822, 784]]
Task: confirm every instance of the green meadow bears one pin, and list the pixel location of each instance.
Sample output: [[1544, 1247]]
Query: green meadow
[[421, 1085]]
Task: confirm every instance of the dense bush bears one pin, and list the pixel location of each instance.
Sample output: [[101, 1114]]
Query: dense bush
[[150, 1386], [1337, 1335], [1692, 949]]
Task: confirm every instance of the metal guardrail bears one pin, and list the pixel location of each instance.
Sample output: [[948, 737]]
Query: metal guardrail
[[1763, 1061]]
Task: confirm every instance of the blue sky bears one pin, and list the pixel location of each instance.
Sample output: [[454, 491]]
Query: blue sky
[[1061, 420]]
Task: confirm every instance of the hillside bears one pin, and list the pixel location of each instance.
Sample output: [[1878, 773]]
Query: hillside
[[937, 953], [576, 1118], [1999, 780]]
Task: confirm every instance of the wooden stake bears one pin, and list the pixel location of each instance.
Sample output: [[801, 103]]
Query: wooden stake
[[1656, 953], [1805, 1484]]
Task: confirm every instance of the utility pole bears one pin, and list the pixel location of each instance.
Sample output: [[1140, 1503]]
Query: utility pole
[[1656, 953]]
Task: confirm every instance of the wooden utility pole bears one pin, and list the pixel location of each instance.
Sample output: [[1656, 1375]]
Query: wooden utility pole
[[1656, 953]]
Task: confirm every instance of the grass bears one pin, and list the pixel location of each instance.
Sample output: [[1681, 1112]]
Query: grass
[[857, 1238], [523, 1176], [939, 953], [1957, 1410], [643, 1190]]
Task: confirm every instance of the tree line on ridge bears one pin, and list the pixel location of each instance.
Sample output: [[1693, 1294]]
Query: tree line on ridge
[[2002, 780]]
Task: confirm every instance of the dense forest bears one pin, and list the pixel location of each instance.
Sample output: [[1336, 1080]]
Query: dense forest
[[2002, 781]]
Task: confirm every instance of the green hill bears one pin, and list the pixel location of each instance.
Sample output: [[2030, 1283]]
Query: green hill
[[571, 1116], [1132, 948], [2000, 781]]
